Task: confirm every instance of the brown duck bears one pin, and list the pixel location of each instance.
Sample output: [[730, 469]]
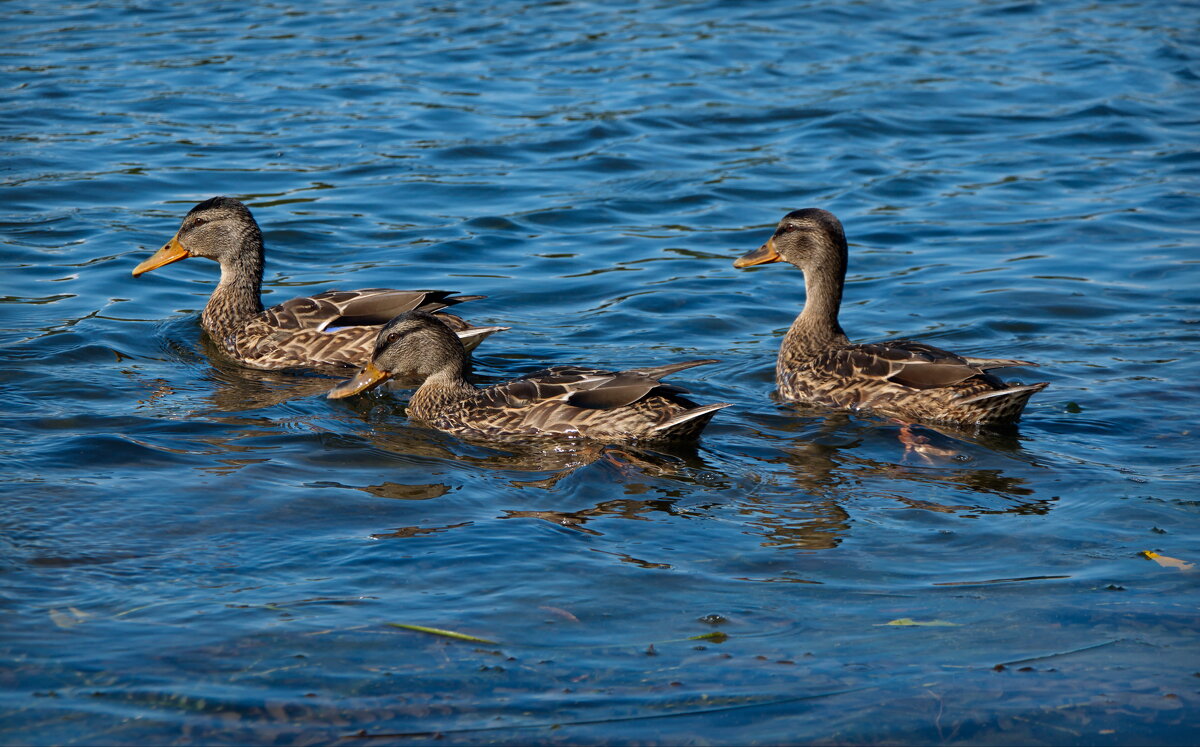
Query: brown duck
[[331, 329], [904, 379], [562, 402]]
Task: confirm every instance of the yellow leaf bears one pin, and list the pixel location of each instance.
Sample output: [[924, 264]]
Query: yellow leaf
[[908, 622], [67, 619], [439, 631], [1166, 562]]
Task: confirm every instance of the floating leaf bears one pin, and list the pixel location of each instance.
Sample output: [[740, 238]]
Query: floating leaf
[[716, 637], [68, 619], [909, 622], [1166, 562], [61, 619], [560, 612], [446, 633]]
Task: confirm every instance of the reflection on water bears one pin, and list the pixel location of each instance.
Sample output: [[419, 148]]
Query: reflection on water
[[621, 508], [394, 490], [822, 463], [832, 461], [240, 389], [809, 524], [403, 532]]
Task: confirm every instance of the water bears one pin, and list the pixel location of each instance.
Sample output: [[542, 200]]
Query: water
[[195, 553]]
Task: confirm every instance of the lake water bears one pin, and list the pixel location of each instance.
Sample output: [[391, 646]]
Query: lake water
[[197, 553]]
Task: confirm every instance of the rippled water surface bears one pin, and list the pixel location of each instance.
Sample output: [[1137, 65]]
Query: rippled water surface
[[197, 553]]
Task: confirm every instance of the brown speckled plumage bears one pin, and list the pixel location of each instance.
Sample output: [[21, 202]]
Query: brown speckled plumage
[[560, 402], [331, 329], [900, 378]]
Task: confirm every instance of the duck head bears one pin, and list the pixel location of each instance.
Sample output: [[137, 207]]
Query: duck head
[[412, 347], [805, 238], [221, 229]]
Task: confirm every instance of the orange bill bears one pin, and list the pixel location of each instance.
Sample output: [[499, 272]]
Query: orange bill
[[172, 252], [760, 256], [368, 378]]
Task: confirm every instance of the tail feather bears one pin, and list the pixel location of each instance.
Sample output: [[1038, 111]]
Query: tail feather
[[658, 372], [987, 364], [689, 421], [1001, 406], [472, 336], [1015, 393], [450, 300]]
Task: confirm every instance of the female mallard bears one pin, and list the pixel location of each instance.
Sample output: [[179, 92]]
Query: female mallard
[[558, 402], [335, 328], [901, 378]]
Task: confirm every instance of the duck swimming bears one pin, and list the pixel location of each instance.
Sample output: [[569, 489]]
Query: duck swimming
[[904, 379], [331, 329], [561, 402]]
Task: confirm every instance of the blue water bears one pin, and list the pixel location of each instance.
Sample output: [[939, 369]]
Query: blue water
[[197, 553]]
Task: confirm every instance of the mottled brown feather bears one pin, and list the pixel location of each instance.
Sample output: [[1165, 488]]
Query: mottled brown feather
[[900, 378], [330, 329], [558, 402]]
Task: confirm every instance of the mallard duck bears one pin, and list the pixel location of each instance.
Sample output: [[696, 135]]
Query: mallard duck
[[331, 329], [558, 402], [904, 379]]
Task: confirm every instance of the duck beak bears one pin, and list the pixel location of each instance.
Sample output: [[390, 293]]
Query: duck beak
[[368, 378], [172, 252], [760, 256]]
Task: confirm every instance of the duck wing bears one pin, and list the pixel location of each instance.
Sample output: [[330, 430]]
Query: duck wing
[[905, 362], [626, 387], [987, 364], [356, 308], [589, 388]]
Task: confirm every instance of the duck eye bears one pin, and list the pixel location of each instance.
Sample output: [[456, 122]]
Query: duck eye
[[198, 222], [393, 337]]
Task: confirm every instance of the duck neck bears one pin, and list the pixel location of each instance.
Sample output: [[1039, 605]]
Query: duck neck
[[817, 326], [237, 296], [439, 392]]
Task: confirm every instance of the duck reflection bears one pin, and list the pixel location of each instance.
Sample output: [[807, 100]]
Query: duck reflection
[[802, 478], [638, 472], [405, 532], [239, 389], [622, 508], [833, 461], [402, 492]]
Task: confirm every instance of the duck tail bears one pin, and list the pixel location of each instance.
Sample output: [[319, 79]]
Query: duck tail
[[658, 372], [472, 336], [1002, 405], [689, 422], [987, 364], [451, 300]]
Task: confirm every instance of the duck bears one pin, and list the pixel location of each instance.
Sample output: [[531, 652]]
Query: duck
[[906, 380], [561, 402], [330, 330]]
